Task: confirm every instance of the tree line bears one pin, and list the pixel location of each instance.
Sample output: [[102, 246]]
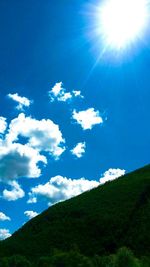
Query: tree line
[[123, 258]]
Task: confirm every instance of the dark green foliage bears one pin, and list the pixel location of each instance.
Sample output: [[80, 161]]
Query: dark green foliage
[[145, 262], [125, 258], [104, 261], [65, 259], [4, 262], [44, 262], [98, 222], [15, 261]]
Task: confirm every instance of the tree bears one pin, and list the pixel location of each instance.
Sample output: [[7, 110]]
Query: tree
[[18, 261], [125, 258], [4, 262], [104, 261], [44, 262]]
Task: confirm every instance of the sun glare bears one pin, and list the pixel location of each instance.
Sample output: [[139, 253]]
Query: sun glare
[[121, 22]]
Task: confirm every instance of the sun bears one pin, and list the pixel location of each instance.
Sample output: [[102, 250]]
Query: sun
[[122, 22]]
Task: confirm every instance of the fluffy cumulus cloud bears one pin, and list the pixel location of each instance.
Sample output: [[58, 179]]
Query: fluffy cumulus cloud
[[21, 160], [87, 118], [60, 188], [59, 93], [21, 101], [111, 174], [79, 150], [43, 135], [4, 233], [4, 217], [30, 214], [15, 193], [3, 125], [18, 159]]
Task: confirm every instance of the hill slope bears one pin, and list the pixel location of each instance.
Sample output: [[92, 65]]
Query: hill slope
[[97, 222]]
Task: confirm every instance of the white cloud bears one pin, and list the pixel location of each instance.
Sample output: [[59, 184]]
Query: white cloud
[[59, 93], [30, 214], [60, 188], [64, 97], [22, 160], [3, 125], [43, 135], [15, 193], [17, 160], [4, 233], [87, 118], [32, 199], [77, 93], [56, 90], [21, 100], [3, 217], [111, 175], [79, 150]]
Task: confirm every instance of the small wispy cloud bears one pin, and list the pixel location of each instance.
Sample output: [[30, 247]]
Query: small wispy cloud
[[4, 233], [77, 93], [21, 101], [79, 150], [30, 214], [58, 92], [4, 217], [87, 118]]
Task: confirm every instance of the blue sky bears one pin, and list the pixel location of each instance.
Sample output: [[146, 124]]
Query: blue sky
[[67, 119]]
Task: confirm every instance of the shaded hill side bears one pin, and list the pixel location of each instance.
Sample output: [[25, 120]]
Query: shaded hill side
[[97, 222]]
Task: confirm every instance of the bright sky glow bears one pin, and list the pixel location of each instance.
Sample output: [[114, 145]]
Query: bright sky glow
[[122, 22]]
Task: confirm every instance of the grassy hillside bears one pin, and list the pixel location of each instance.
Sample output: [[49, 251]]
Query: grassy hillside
[[100, 221]]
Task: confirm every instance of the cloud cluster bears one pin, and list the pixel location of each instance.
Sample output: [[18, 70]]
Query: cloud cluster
[[3, 125], [21, 160], [60, 188], [30, 214], [87, 118], [21, 101], [26, 142], [111, 175], [59, 93], [4, 233], [4, 217], [79, 150]]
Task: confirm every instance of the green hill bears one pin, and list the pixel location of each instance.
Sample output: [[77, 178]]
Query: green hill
[[99, 221]]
